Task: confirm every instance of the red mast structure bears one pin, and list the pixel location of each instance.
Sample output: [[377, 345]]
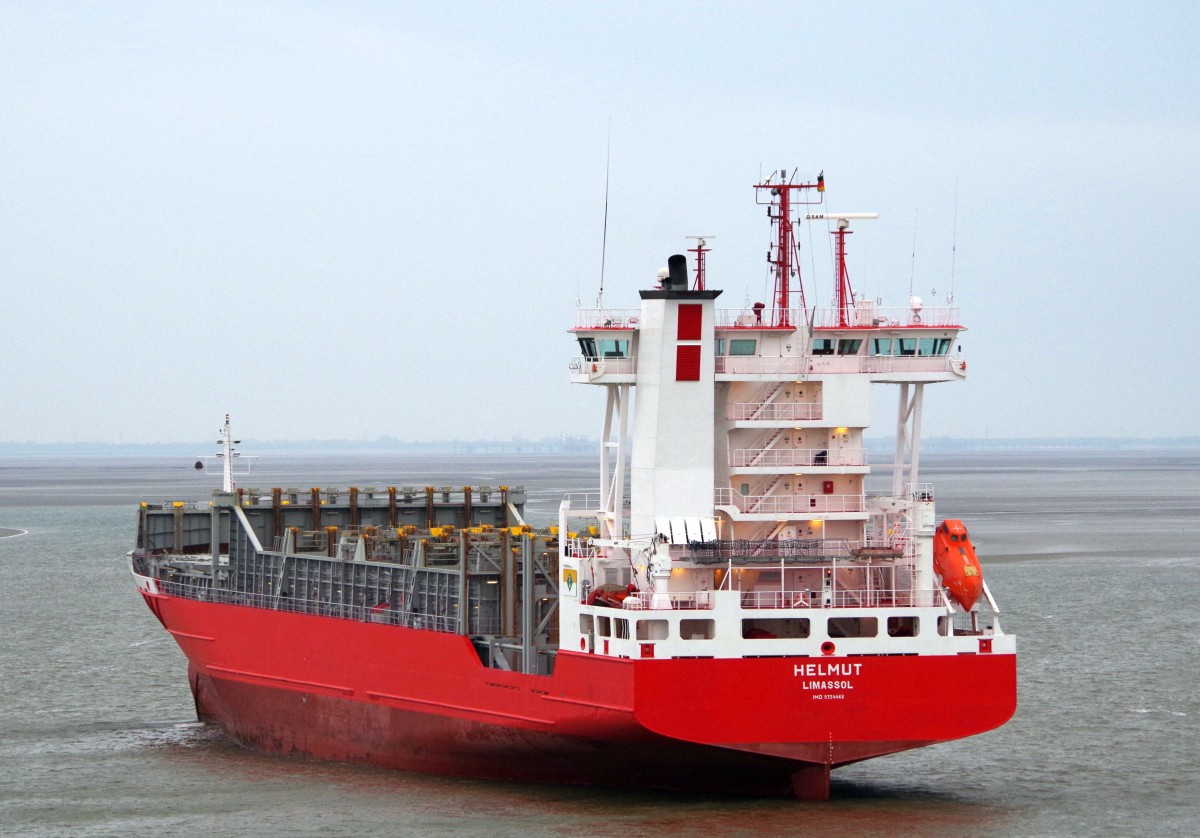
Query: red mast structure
[[785, 253], [700, 250], [845, 295], [844, 299]]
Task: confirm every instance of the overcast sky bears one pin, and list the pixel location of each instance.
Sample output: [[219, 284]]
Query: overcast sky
[[356, 219]]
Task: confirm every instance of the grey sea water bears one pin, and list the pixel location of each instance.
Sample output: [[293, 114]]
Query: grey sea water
[[1093, 556]]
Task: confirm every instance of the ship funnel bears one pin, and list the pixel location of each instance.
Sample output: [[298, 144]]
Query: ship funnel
[[677, 267]]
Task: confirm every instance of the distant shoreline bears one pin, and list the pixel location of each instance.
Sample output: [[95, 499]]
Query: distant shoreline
[[558, 447]]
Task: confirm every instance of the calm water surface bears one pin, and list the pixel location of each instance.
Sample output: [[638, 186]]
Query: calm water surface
[[1093, 556]]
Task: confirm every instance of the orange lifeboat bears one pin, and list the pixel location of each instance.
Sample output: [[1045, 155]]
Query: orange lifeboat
[[954, 559]]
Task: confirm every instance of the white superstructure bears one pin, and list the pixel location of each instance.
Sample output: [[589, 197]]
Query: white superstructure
[[746, 494]]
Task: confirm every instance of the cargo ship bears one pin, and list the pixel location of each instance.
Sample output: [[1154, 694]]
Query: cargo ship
[[729, 611]]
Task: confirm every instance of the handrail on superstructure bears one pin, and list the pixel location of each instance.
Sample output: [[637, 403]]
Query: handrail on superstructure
[[606, 318], [803, 503], [792, 457], [864, 316]]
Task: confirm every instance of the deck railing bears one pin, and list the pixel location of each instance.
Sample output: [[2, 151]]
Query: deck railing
[[747, 318], [175, 504], [687, 601], [783, 365], [863, 316], [905, 363], [380, 612], [891, 317], [743, 551], [582, 501], [774, 411], [796, 457], [801, 600], [788, 503], [595, 367], [809, 600], [606, 318]]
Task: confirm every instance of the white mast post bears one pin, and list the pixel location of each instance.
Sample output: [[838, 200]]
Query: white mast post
[[227, 453]]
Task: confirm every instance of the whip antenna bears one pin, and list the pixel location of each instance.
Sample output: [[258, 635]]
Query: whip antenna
[[604, 239], [953, 243], [912, 271]]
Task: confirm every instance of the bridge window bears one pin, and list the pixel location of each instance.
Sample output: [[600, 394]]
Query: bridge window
[[822, 346], [934, 346], [588, 347], [908, 346], [881, 346], [613, 348], [720, 346], [848, 346], [742, 347]]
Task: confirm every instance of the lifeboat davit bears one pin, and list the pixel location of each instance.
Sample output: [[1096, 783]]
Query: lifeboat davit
[[954, 559]]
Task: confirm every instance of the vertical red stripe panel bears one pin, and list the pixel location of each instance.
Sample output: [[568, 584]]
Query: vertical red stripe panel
[[687, 363], [690, 316]]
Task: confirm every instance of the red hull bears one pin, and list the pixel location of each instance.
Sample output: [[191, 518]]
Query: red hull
[[420, 700]]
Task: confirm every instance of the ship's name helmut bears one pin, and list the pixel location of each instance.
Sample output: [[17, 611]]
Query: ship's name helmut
[[826, 670]]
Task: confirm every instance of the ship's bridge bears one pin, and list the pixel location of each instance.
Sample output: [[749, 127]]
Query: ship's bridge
[[607, 339], [890, 345]]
